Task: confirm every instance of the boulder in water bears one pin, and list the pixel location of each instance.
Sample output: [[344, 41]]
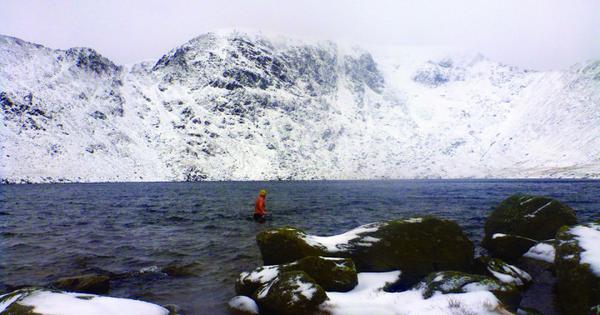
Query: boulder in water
[[446, 282], [416, 246], [578, 268], [37, 301], [291, 293], [519, 221], [177, 269], [89, 283], [332, 274]]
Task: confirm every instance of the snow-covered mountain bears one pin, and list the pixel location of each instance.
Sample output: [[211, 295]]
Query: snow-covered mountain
[[230, 105]]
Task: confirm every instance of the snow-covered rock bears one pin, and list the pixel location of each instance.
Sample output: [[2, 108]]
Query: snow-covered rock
[[42, 301], [541, 251], [242, 305], [291, 293], [501, 271], [230, 105], [332, 274], [577, 264]]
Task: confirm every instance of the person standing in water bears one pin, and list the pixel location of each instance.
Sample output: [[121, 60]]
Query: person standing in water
[[259, 207]]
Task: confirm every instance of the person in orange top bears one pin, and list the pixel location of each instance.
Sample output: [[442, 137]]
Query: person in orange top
[[259, 207]]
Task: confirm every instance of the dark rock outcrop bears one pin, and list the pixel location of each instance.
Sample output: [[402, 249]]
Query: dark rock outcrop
[[520, 221]]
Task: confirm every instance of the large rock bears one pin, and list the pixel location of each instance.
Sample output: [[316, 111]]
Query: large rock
[[416, 246], [508, 247], [89, 283], [332, 274], [37, 301], [577, 266], [520, 221], [458, 282], [291, 293]]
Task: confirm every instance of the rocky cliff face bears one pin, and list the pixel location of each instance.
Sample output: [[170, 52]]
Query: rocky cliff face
[[235, 106]]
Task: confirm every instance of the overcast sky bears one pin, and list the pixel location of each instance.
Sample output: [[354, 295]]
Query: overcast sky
[[539, 34]]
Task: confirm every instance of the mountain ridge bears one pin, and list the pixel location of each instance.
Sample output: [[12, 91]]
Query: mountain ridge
[[235, 106]]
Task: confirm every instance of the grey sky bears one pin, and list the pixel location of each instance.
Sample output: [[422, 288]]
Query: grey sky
[[539, 34]]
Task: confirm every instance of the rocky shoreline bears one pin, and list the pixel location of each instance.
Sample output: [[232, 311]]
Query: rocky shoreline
[[84, 294], [427, 266]]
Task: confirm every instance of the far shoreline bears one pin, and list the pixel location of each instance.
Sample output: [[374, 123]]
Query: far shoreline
[[5, 182]]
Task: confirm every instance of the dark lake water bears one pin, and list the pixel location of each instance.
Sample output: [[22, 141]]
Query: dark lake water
[[55, 230]]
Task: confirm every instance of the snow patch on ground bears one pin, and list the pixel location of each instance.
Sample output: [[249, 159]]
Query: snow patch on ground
[[368, 297]]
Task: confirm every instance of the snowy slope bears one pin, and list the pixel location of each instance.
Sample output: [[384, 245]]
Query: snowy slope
[[230, 105]]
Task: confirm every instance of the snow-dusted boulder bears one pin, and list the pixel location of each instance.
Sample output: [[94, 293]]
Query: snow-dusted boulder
[[242, 305], [578, 268], [36, 301], [291, 293], [503, 272], [448, 282], [332, 274], [416, 246], [520, 221]]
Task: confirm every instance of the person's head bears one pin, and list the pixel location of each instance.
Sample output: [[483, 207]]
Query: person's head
[[262, 193]]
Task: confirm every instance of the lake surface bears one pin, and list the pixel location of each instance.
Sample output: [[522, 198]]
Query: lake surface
[[55, 230]]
